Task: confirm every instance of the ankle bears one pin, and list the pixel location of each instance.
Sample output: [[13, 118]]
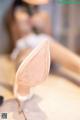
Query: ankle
[[23, 90]]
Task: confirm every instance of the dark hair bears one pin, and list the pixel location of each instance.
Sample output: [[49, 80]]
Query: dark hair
[[30, 9]]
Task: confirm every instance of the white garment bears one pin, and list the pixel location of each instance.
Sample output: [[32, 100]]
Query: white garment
[[29, 41]]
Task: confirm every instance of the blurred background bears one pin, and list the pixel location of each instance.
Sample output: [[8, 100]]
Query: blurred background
[[65, 20], [60, 93]]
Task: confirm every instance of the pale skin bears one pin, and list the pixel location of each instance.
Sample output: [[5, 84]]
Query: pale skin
[[59, 53]]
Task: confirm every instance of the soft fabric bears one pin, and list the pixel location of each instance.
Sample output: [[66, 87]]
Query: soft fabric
[[29, 41]]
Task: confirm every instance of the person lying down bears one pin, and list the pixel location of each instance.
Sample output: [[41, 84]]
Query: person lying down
[[34, 60], [25, 45], [59, 54], [31, 55]]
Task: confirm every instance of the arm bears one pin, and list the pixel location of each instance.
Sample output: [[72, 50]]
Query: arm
[[63, 56]]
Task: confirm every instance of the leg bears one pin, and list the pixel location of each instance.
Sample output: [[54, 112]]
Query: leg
[[64, 57], [21, 56], [33, 71]]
